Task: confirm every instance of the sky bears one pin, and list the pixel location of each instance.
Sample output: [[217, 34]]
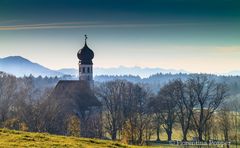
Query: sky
[[194, 35]]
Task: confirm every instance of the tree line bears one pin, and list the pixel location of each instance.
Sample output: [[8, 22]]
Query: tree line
[[130, 112]]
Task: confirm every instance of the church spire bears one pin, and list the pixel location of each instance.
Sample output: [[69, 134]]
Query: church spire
[[85, 56], [85, 39]]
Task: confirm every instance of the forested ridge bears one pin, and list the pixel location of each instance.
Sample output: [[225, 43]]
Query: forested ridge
[[134, 110]]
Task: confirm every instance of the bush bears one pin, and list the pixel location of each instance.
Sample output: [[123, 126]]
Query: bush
[[15, 124]]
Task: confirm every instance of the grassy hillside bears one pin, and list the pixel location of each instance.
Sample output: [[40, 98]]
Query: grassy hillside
[[11, 138]]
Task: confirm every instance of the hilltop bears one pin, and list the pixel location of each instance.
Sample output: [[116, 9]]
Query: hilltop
[[19, 66]]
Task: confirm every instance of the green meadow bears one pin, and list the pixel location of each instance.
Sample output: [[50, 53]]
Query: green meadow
[[12, 138]]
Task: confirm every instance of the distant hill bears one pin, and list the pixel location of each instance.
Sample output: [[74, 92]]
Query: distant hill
[[20, 66], [122, 70], [156, 81], [69, 71], [136, 71]]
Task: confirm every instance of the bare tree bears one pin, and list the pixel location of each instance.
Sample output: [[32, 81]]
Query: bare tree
[[210, 96], [111, 96], [169, 115], [125, 109], [139, 113], [8, 90], [165, 107], [156, 109], [225, 121], [185, 105], [234, 104]]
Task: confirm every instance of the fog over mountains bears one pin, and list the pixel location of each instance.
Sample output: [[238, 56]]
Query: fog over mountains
[[20, 66]]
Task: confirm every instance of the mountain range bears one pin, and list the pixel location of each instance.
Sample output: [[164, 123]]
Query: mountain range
[[122, 70], [20, 66]]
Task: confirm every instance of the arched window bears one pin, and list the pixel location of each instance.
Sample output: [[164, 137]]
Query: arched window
[[83, 70], [88, 70]]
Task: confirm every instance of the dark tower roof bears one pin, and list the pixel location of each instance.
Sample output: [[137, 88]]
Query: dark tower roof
[[85, 55]]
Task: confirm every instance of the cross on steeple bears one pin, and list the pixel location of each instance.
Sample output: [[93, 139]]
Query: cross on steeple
[[85, 38]]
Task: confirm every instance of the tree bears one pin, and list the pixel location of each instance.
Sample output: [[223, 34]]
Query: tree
[[73, 126], [139, 112], [8, 90], [169, 115], [209, 96], [156, 108], [185, 105], [234, 104], [164, 106], [225, 121], [125, 109], [37, 115], [111, 95]]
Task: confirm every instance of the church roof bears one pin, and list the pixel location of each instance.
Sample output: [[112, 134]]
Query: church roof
[[78, 93], [85, 55]]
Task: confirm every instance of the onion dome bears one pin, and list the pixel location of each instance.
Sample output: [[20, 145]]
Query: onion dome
[[85, 55]]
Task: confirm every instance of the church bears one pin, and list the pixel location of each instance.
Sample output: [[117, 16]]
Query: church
[[85, 56], [77, 96]]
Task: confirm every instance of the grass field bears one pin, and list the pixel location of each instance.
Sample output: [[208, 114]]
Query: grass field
[[11, 138]]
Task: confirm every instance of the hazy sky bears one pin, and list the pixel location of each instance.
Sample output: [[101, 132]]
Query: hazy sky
[[195, 35]]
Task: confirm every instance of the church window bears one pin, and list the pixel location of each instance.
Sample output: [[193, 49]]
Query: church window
[[83, 70]]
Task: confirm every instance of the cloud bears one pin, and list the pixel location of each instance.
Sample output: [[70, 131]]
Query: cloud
[[7, 28], [72, 25], [47, 25], [69, 25]]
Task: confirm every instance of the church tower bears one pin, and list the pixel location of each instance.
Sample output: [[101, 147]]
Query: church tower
[[85, 56]]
